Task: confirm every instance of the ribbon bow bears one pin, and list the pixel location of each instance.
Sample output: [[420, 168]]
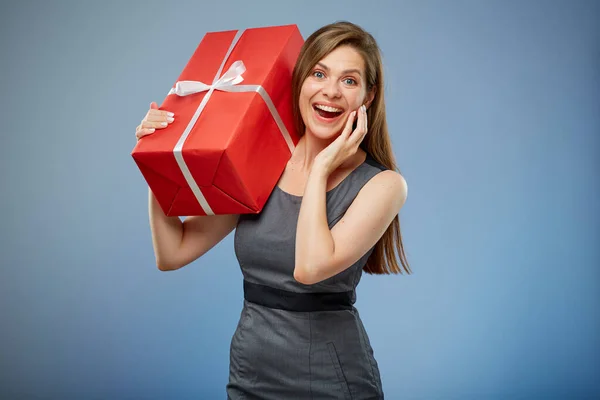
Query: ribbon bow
[[232, 77]]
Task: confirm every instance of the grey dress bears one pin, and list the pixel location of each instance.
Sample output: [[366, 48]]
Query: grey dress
[[296, 341]]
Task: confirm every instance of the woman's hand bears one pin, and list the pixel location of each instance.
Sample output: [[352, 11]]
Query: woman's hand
[[345, 145], [154, 119]]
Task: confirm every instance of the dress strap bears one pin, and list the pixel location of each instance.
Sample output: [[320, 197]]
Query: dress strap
[[371, 161]]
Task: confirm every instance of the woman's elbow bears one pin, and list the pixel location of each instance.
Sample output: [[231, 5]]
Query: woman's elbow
[[176, 261], [165, 265], [304, 276]]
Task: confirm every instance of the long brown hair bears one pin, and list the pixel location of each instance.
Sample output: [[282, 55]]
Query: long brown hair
[[377, 141]]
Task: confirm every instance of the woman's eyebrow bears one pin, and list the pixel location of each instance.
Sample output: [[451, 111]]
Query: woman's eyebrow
[[347, 71]]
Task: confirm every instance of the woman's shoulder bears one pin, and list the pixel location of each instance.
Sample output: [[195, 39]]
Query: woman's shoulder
[[384, 181]]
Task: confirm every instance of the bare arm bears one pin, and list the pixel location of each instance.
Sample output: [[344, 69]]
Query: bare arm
[[322, 253], [177, 244]]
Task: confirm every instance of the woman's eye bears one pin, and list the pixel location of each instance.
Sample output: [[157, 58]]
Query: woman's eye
[[350, 81], [318, 74]]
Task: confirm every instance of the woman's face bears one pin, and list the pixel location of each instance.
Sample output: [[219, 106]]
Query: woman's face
[[335, 87]]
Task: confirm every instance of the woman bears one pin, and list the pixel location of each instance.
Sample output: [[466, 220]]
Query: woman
[[333, 214]]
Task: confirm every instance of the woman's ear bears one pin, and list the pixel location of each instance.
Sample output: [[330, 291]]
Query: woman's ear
[[370, 97]]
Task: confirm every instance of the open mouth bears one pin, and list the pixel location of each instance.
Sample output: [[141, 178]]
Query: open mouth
[[327, 112]]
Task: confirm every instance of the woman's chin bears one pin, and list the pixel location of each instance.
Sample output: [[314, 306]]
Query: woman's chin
[[325, 133]]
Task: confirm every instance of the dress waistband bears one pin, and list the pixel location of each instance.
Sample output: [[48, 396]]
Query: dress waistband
[[293, 301]]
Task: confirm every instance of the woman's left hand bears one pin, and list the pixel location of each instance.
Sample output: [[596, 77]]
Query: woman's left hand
[[345, 145]]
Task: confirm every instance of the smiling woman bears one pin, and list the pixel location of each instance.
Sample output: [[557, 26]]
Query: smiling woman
[[333, 90], [335, 214], [332, 215]]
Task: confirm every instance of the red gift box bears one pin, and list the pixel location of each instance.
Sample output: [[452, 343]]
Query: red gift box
[[233, 131]]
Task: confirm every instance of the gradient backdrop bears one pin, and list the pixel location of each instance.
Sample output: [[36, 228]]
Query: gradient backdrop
[[494, 108]]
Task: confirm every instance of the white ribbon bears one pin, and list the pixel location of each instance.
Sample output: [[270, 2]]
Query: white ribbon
[[227, 83], [233, 76]]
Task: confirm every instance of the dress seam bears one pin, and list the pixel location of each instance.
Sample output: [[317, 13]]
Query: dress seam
[[309, 356], [363, 344]]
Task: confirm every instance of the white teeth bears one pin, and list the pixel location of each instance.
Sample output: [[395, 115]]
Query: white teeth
[[327, 108]]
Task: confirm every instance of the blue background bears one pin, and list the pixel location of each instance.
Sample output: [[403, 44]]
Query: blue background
[[494, 108]]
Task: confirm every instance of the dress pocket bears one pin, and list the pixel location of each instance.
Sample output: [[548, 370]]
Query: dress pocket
[[335, 360]]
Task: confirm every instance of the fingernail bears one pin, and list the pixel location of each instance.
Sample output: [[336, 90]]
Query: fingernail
[[170, 114], [151, 130], [170, 119], [163, 124]]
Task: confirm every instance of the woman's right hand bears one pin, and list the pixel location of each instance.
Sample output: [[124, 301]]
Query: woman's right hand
[[154, 119]]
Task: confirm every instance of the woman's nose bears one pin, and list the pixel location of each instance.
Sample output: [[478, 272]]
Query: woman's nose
[[331, 89]]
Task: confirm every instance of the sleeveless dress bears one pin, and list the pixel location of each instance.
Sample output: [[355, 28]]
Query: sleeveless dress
[[296, 341]]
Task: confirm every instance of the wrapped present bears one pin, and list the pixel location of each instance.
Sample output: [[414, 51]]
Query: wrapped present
[[233, 131]]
